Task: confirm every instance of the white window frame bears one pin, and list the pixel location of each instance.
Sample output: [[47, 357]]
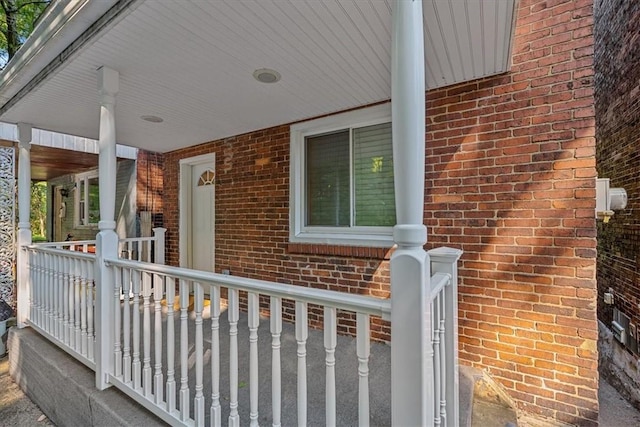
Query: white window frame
[[83, 177], [351, 236]]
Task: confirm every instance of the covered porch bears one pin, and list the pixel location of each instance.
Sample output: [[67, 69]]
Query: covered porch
[[149, 329], [179, 339]]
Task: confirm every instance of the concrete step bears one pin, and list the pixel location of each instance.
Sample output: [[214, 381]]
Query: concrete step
[[466, 385], [65, 389], [487, 413], [483, 402]]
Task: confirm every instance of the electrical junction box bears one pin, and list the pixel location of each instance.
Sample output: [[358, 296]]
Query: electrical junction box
[[608, 298]]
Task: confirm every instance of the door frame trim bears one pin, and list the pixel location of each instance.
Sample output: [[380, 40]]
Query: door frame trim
[[185, 205]]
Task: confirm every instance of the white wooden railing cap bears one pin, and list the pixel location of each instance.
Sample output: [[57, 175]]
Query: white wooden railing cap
[[323, 297], [445, 253]]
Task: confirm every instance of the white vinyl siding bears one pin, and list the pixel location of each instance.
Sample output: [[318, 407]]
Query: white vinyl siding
[[87, 207]]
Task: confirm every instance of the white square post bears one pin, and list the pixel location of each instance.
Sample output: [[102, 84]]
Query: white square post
[[107, 239], [159, 234], [445, 260]]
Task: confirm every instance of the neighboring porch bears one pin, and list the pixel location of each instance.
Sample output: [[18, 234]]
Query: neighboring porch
[[56, 159]]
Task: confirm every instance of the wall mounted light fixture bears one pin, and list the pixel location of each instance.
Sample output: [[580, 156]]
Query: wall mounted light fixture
[[608, 199]]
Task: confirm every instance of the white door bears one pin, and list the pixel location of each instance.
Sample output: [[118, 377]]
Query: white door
[[197, 213]]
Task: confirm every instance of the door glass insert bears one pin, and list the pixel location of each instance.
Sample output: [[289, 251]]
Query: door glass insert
[[207, 178]]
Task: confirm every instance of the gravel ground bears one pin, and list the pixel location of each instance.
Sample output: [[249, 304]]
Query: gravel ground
[[16, 409], [615, 411]]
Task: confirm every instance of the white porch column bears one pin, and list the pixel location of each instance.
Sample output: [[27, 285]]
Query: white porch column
[[107, 239], [411, 362], [24, 227]]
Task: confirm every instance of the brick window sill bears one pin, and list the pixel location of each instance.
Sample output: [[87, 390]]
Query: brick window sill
[[338, 250]]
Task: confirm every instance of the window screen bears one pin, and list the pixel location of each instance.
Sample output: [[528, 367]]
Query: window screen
[[373, 176]]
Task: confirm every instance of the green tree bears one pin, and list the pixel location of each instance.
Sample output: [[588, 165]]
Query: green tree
[[38, 212], [17, 19]]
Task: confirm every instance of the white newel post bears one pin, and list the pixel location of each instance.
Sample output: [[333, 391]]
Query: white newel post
[[107, 239], [445, 260], [411, 364], [24, 226], [159, 234]]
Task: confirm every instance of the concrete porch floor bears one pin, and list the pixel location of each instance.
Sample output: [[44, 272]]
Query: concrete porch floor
[[40, 368], [32, 368], [64, 390]]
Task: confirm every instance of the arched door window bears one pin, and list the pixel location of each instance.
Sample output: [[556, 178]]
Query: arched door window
[[206, 178]]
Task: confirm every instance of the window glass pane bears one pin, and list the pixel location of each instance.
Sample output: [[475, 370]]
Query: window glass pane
[[327, 168], [94, 200], [373, 176]]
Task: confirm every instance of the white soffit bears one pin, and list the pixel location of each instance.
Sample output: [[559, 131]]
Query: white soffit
[[191, 63], [466, 39]]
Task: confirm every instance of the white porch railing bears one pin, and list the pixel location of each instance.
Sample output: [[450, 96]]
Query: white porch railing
[[160, 340], [62, 289], [86, 246], [62, 299], [139, 371], [148, 249]]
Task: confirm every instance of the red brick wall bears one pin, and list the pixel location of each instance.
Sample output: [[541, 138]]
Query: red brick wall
[[617, 55], [510, 180], [149, 185], [252, 224], [511, 167]]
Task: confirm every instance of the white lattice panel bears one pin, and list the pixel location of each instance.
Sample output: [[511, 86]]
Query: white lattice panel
[[7, 223]]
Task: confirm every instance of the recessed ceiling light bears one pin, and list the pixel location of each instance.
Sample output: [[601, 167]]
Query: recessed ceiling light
[[266, 75], [152, 119]]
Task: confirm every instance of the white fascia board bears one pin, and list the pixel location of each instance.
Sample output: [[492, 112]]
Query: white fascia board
[[61, 24], [8, 131], [45, 138]]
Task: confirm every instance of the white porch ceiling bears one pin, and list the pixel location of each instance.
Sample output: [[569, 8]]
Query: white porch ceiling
[[191, 63]]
